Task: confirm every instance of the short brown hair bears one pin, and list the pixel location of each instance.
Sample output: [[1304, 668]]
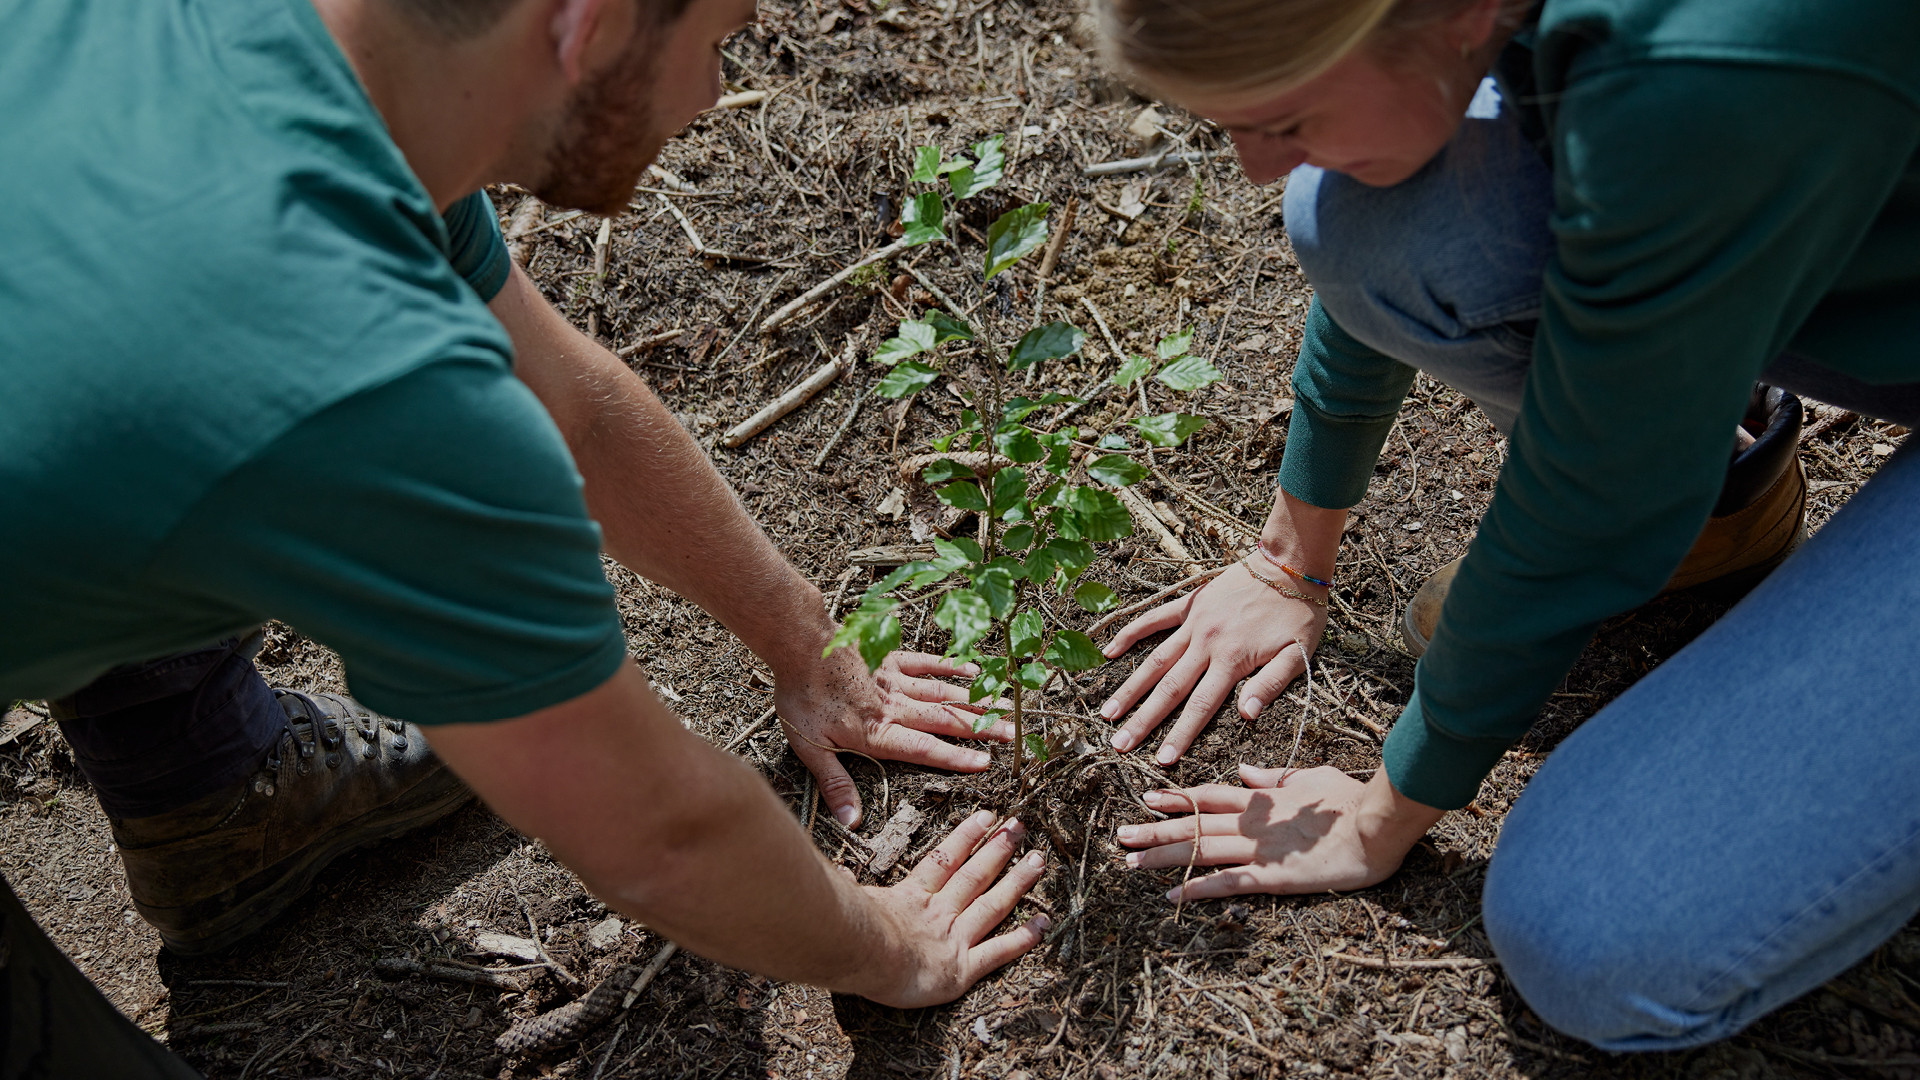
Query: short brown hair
[[459, 20]]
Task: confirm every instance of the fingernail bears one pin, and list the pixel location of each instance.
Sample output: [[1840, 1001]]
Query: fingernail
[[1166, 756], [984, 817], [979, 760], [1133, 859], [1128, 832], [1013, 827], [1153, 797], [1036, 860], [1253, 706], [846, 815], [971, 669], [1108, 712], [1173, 894], [1042, 923], [1121, 741]]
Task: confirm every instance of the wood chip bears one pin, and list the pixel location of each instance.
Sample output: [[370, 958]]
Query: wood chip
[[896, 837]]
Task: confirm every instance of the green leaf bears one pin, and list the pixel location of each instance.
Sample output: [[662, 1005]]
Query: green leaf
[[1117, 471], [1095, 597], [965, 543], [1033, 676], [1175, 344], [1132, 371], [995, 586], [1101, 515], [1020, 408], [1036, 746], [1168, 429], [1071, 650], [1024, 632], [987, 719], [926, 164], [1049, 342], [1072, 556], [1041, 564], [872, 634], [963, 495], [947, 328], [1111, 441], [1189, 373], [1009, 491], [914, 338], [1014, 235], [1019, 443], [989, 162], [907, 377], [991, 681], [1051, 496], [944, 470], [922, 217], [1018, 538], [947, 558], [965, 615], [1059, 446]]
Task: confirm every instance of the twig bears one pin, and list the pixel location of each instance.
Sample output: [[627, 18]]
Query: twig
[[399, 965], [786, 312], [787, 402], [859, 399], [741, 100], [1830, 418], [953, 307], [1052, 256], [651, 340], [748, 731], [1444, 963], [1147, 164], [282, 1052], [980, 461], [700, 247], [570, 1022], [533, 928], [1263, 1051], [1143, 514], [1114, 616]]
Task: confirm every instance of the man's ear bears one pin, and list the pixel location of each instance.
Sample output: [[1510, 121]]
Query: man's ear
[[574, 25]]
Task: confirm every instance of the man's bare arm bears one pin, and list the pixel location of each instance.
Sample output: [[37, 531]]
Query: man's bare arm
[[668, 515], [686, 838]]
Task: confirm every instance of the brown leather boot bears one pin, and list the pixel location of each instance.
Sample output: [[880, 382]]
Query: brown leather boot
[[218, 869], [1760, 518]]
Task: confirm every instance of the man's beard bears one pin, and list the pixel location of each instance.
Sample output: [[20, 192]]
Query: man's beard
[[607, 138]]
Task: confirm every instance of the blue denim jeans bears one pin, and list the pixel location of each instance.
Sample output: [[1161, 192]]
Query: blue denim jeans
[[1744, 823], [154, 736]]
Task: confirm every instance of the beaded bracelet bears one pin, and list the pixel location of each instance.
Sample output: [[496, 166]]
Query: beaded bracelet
[[1282, 589], [1301, 574]]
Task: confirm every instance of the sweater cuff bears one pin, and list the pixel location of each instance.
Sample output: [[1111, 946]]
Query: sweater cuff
[[1436, 767], [1328, 460]]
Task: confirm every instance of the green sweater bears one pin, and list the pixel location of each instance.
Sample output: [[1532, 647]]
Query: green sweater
[[1732, 179]]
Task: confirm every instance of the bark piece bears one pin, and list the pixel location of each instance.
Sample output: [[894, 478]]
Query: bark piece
[[895, 838]]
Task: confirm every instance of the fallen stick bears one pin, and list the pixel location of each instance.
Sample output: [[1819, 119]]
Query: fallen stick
[[892, 555], [1146, 164], [1143, 515], [700, 247], [671, 181], [1112, 617], [787, 402], [774, 320], [1052, 257], [651, 340], [572, 1021], [840, 432], [1444, 963], [741, 100], [981, 462], [747, 732], [1830, 418], [400, 965]]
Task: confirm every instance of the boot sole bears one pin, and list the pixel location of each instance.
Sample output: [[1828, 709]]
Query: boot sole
[[293, 876]]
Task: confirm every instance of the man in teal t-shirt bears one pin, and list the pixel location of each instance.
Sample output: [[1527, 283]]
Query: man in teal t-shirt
[[264, 356]]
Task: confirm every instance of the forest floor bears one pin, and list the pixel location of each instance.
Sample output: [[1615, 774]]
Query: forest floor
[[803, 184]]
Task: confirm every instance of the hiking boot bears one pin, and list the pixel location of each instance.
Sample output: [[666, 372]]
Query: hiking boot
[[214, 871], [1760, 518]]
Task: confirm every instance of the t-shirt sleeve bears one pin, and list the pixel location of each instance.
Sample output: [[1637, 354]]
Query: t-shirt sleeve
[[432, 531], [1701, 213], [1345, 398], [475, 246]]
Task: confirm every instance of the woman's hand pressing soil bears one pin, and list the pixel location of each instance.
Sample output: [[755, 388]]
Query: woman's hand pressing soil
[[1303, 831], [891, 714]]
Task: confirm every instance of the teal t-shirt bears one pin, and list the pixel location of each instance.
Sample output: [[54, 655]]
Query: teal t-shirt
[[247, 371], [1732, 179]]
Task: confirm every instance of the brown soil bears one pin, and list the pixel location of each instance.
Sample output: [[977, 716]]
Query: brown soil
[[811, 179]]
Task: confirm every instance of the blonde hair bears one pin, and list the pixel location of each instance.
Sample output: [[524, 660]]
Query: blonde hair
[[1247, 46]]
